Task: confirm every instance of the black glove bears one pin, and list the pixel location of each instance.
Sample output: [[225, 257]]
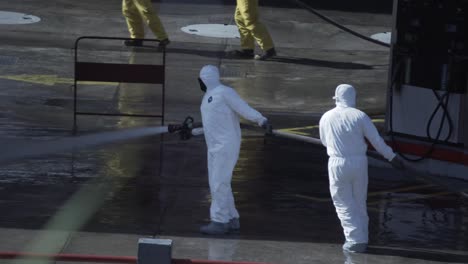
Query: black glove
[[268, 127], [397, 163]]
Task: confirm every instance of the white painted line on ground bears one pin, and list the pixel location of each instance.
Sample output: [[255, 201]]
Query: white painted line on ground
[[212, 30], [14, 18]]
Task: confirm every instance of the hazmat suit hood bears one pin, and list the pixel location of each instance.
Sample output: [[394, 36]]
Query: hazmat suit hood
[[209, 75], [345, 95]]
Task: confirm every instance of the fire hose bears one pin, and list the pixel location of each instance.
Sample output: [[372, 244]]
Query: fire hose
[[14, 151], [316, 141], [185, 130]]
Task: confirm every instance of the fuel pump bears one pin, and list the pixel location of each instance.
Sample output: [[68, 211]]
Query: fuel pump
[[428, 76]]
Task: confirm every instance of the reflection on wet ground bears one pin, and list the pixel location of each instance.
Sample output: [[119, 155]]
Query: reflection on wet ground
[[281, 190]]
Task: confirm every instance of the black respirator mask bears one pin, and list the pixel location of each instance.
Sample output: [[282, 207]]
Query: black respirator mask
[[202, 85]]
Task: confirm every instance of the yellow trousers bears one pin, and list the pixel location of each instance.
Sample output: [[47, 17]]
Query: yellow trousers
[[250, 28], [138, 12]]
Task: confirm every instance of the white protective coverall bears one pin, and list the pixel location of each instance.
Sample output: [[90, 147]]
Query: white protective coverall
[[342, 131], [220, 109]]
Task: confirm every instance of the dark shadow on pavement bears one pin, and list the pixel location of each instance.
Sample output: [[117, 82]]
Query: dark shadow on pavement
[[204, 53], [281, 59], [322, 63], [368, 6]]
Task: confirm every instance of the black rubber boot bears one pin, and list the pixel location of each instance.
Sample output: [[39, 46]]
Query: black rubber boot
[[163, 43], [133, 43], [266, 54], [241, 54]]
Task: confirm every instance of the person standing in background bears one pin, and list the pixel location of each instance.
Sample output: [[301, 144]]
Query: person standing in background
[[251, 30], [140, 12]]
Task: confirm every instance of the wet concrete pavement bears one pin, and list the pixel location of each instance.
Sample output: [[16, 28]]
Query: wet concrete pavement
[[281, 190], [101, 200]]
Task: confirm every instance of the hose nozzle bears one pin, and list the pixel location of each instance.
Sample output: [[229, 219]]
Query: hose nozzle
[[184, 129]]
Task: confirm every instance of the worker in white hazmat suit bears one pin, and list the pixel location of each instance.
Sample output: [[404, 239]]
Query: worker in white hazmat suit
[[220, 109], [343, 131]]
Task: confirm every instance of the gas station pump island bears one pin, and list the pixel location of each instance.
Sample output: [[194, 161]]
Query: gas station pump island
[[427, 99]]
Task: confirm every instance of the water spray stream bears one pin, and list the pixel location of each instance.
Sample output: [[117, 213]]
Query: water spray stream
[[34, 149]]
